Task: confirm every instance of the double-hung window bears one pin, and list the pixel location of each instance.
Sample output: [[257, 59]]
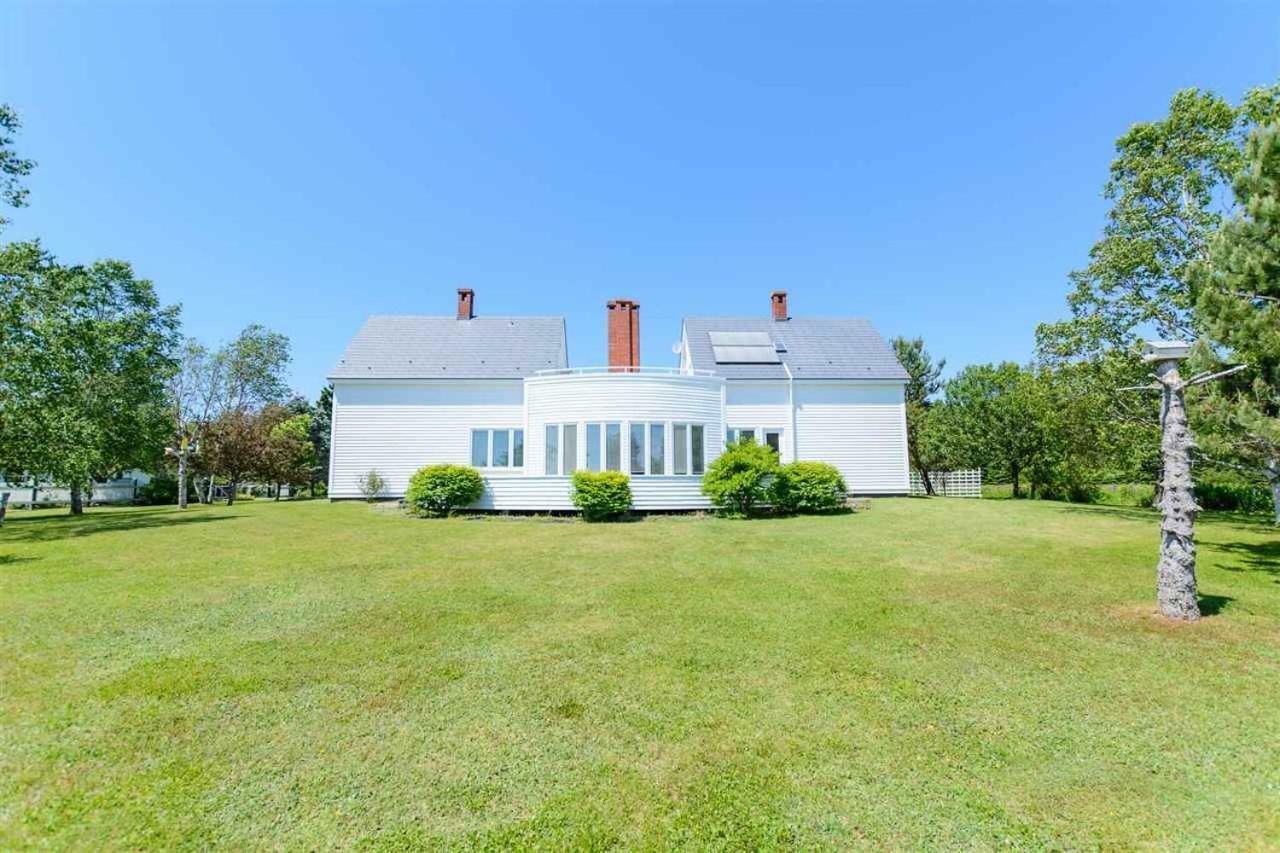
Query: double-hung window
[[737, 434], [497, 448]]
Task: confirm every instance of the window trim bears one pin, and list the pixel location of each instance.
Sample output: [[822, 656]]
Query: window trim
[[759, 435], [488, 445]]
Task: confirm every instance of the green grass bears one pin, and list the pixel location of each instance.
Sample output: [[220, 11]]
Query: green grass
[[939, 673]]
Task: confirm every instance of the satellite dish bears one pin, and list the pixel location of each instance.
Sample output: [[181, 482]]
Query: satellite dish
[[677, 347]]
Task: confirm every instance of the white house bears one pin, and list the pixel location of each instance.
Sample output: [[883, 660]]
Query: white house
[[498, 393]]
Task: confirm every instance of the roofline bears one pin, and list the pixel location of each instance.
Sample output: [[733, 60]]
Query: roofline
[[559, 317], [425, 378], [844, 380]]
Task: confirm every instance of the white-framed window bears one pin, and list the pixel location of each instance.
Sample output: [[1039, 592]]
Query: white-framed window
[[688, 449], [561, 454], [772, 436], [497, 448]]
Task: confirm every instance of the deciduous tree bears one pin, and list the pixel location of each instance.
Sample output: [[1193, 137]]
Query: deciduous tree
[[919, 394], [12, 167], [85, 353]]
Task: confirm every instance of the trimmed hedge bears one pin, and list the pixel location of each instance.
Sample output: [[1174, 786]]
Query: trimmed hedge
[[438, 490], [739, 479], [602, 495], [808, 487]]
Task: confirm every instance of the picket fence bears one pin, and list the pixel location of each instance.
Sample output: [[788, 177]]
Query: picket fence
[[119, 492], [950, 484]]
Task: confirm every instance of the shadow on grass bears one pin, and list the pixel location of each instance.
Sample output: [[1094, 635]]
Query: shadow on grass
[[51, 528], [1238, 520], [1212, 605], [1253, 556]]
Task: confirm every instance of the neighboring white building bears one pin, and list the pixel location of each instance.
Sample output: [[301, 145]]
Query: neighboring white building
[[498, 393]]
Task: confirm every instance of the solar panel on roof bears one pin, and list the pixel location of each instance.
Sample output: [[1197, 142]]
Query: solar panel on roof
[[740, 339], [745, 355], [743, 348]]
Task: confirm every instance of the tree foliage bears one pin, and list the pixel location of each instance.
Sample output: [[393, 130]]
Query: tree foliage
[[13, 193], [1238, 306], [919, 395], [85, 352]]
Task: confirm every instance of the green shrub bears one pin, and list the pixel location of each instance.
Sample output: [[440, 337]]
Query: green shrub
[[1233, 497], [808, 487], [602, 495], [740, 477], [371, 485], [438, 490], [160, 490]]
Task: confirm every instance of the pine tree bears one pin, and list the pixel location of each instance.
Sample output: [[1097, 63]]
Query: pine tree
[[1238, 306]]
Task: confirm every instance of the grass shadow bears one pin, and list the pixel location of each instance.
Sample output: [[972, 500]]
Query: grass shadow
[[1253, 556], [1212, 605], [54, 528]]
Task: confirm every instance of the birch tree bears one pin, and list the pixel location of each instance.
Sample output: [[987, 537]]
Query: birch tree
[[196, 393]]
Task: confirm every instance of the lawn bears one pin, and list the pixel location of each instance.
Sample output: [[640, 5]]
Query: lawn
[[940, 673]]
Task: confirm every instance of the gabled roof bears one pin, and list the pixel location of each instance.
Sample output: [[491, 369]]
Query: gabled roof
[[413, 347], [815, 348]]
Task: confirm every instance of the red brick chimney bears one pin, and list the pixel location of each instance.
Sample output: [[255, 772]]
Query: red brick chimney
[[466, 303], [779, 300], [624, 334]]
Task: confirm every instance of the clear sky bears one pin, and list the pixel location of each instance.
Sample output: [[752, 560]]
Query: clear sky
[[936, 169]]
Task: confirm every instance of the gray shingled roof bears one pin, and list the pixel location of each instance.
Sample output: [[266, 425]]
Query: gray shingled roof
[[816, 348], [411, 347]]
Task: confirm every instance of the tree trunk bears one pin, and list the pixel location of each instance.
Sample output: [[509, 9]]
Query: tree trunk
[[1273, 475], [1176, 571], [277, 491], [232, 486], [924, 476], [209, 491], [1015, 471], [182, 480], [77, 500]]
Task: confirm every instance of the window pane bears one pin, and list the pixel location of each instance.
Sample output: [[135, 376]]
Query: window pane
[[501, 458], [748, 434], [657, 449], [731, 436], [553, 450], [613, 447], [637, 448], [593, 447], [517, 449], [680, 449], [699, 461], [774, 440], [480, 448], [569, 447]]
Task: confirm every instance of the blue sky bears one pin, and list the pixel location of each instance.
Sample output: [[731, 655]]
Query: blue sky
[[937, 169]]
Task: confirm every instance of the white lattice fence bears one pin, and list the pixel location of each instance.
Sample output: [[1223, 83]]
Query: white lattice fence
[[950, 484]]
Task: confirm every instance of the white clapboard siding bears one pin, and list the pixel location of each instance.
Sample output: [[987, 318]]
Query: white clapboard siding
[[620, 398], [859, 428], [398, 427], [545, 494], [759, 406]]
